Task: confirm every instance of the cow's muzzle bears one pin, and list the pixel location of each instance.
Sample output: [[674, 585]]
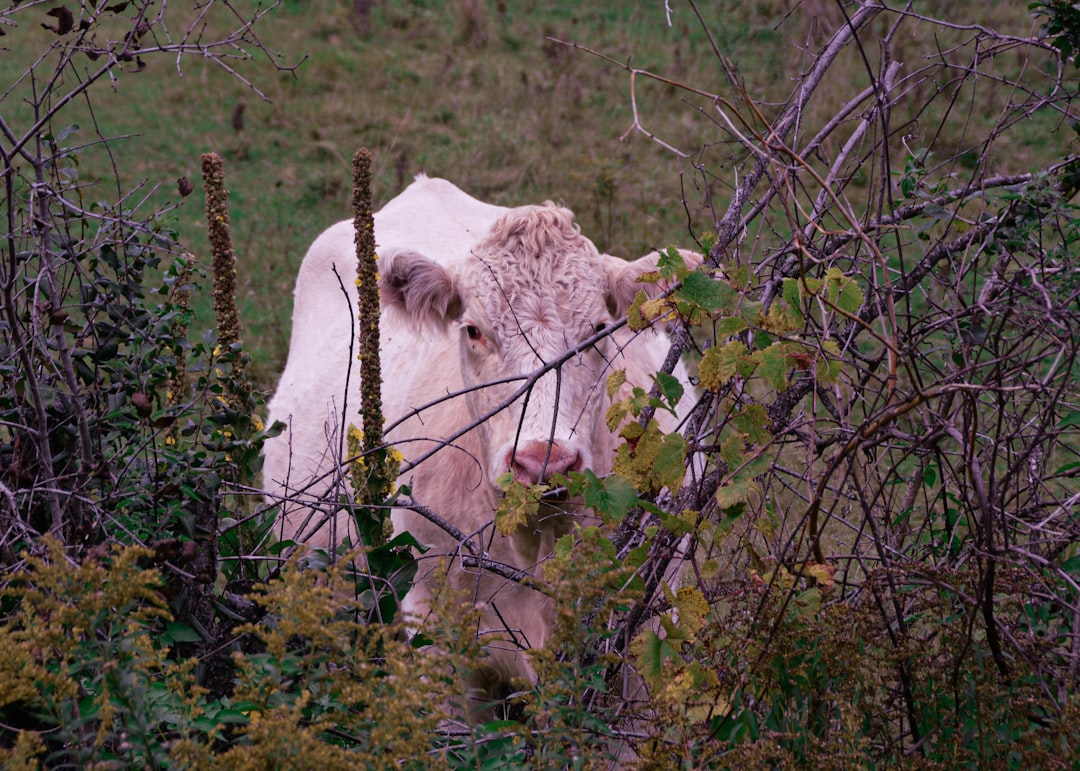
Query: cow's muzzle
[[537, 462]]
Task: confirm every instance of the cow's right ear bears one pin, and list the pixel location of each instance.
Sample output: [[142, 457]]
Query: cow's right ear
[[418, 288], [624, 283]]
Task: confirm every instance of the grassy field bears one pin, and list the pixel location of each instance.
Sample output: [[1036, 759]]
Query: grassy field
[[884, 457], [477, 92]]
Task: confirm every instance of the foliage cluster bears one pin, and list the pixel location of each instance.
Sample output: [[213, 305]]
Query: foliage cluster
[[860, 550]]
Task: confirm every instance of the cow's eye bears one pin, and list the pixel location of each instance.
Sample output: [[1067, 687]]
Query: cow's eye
[[472, 332], [598, 328]]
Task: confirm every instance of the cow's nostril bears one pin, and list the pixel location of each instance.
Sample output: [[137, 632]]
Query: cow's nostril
[[538, 461]]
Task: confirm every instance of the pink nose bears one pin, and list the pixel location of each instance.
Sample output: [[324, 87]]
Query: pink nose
[[539, 461]]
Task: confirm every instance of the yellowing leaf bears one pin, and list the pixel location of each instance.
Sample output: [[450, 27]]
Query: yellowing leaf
[[615, 381], [736, 492], [823, 573], [632, 431], [615, 414], [652, 310], [650, 459], [773, 365], [518, 504], [634, 318], [720, 364], [692, 607], [681, 524]]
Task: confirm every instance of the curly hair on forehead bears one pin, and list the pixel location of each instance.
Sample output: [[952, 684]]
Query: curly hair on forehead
[[535, 271], [535, 231]]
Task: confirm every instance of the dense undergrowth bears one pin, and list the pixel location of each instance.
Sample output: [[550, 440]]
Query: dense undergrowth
[[872, 506]]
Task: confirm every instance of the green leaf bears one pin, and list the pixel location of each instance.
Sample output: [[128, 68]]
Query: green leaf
[[707, 293], [178, 632], [610, 497], [735, 492], [651, 652], [773, 365], [669, 468], [732, 451], [729, 326], [1072, 419], [671, 388], [828, 367], [564, 546], [907, 186], [753, 421], [843, 291], [671, 264]]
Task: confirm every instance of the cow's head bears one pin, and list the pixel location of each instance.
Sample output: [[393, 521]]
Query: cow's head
[[531, 291]]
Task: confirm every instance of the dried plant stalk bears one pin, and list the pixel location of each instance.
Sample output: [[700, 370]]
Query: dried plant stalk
[[367, 285], [223, 265]]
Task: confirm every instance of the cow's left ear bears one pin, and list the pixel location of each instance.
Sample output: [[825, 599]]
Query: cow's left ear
[[623, 283], [418, 288]]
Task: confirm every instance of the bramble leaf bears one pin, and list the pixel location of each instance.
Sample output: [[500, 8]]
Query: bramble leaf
[[650, 459], [671, 264], [671, 388], [729, 326], [610, 497], [843, 291], [651, 652], [635, 319], [705, 292], [518, 503], [773, 365], [692, 607], [615, 381], [721, 363]]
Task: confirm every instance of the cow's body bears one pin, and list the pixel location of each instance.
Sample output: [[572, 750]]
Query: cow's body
[[471, 293]]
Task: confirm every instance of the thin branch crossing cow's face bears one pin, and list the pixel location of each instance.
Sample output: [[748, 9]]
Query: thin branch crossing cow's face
[[527, 298]]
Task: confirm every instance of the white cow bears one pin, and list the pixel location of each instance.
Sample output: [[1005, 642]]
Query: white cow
[[472, 293]]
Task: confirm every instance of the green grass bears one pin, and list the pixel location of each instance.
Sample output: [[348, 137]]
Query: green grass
[[461, 90]]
